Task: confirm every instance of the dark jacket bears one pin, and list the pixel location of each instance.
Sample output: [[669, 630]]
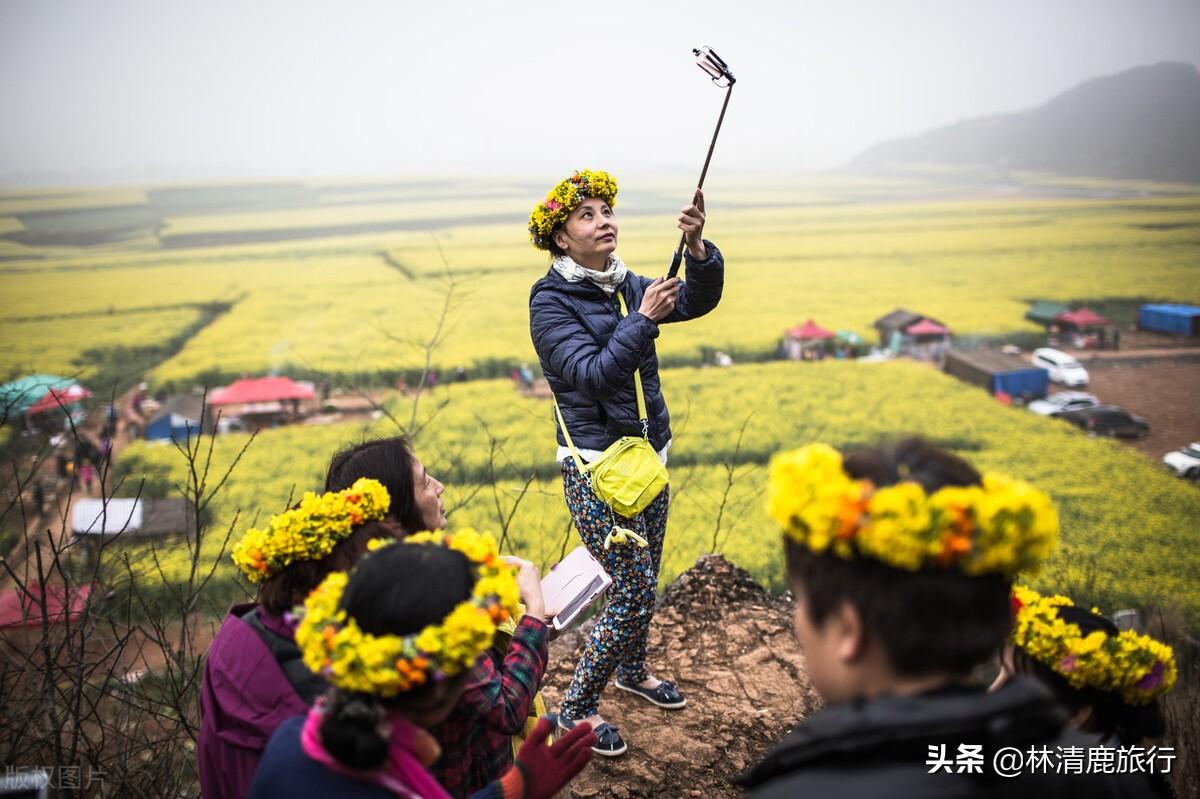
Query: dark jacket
[[286, 771], [588, 352], [881, 748]]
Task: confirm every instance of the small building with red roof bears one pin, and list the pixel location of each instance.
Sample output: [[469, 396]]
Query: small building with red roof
[[264, 401], [806, 342]]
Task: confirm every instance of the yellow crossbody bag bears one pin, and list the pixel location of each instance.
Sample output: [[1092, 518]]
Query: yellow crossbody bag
[[629, 475]]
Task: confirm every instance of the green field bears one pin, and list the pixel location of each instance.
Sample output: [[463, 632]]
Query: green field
[[1127, 525]]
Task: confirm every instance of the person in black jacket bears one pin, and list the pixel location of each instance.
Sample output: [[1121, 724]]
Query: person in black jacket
[[902, 560], [590, 348]]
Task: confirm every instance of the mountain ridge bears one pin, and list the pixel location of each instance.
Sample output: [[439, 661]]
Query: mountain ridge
[[1143, 123]]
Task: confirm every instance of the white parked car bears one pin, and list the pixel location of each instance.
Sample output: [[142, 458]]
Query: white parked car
[[1062, 367], [1185, 461], [1062, 402]]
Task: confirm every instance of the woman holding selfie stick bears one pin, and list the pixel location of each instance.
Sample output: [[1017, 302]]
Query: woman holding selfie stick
[[593, 324]]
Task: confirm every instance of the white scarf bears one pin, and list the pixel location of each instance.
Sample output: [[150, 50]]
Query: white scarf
[[608, 280]]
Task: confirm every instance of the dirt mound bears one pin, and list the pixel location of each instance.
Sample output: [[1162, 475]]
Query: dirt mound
[[729, 647]]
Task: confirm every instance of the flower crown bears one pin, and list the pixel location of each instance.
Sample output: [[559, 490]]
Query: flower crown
[[334, 646], [565, 198], [311, 530], [1004, 526], [1138, 667]]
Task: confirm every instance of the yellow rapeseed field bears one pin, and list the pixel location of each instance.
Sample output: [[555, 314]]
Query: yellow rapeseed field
[[1127, 525]]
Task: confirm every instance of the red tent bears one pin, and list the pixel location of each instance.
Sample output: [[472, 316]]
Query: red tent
[[24, 608], [1082, 319], [58, 397], [926, 327], [810, 330], [262, 389]]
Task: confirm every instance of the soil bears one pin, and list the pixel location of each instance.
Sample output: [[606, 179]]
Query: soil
[[729, 647], [1164, 391]]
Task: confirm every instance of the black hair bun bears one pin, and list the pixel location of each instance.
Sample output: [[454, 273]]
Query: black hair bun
[[351, 731]]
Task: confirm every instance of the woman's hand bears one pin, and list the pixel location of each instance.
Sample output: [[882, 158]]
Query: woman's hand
[[659, 299], [529, 583], [691, 222]]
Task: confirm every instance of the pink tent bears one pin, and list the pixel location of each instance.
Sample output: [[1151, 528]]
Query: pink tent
[[809, 331], [1082, 319], [57, 397], [262, 389], [926, 327]]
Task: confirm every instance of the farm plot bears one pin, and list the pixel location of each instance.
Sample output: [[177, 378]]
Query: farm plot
[[1126, 524]]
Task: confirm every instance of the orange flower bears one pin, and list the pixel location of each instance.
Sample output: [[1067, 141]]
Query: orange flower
[[848, 517], [954, 547]]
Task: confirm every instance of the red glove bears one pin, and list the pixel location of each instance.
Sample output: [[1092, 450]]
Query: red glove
[[546, 769]]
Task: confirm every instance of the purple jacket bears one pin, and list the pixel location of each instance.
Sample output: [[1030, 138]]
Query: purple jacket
[[244, 697]]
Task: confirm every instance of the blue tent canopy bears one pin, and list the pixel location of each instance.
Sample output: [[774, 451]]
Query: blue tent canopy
[[1178, 320]]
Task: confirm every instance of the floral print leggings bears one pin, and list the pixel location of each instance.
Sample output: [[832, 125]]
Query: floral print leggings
[[618, 641]]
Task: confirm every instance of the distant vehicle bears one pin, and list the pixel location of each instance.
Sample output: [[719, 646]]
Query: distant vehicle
[[1062, 402], [1108, 420], [1185, 461], [1062, 367]]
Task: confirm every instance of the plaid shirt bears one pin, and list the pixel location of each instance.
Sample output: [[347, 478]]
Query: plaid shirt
[[476, 736]]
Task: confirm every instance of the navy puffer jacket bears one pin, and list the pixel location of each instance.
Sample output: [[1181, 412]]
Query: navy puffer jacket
[[588, 352]]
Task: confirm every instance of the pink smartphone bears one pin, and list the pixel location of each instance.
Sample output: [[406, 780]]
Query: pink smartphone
[[572, 584]]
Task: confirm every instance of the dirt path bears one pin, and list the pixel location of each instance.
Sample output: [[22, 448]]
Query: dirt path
[[1165, 392], [729, 647]]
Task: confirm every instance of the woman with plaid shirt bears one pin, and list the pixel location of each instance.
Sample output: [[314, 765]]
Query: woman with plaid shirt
[[476, 738]]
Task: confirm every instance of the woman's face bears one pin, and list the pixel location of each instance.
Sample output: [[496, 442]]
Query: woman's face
[[428, 495], [590, 232]]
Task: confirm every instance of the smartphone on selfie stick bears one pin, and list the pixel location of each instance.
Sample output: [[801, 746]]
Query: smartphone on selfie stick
[[718, 70]]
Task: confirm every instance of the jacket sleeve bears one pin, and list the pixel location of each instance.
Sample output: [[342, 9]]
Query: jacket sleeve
[[566, 346], [502, 697], [701, 291]]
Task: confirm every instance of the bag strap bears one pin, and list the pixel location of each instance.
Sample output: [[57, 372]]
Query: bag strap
[[562, 423], [643, 415]]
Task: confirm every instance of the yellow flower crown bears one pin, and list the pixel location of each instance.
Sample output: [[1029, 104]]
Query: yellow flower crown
[[335, 647], [1138, 667], [311, 530], [565, 198], [1004, 526]]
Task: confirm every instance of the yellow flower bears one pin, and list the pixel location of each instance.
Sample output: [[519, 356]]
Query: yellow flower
[[1004, 526], [1135, 666], [334, 646], [564, 198], [311, 530]]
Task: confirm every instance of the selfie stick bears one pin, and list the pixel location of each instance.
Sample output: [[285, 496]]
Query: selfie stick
[[711, 63]]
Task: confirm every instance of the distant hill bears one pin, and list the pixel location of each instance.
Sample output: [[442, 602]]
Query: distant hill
[[1143, 123]]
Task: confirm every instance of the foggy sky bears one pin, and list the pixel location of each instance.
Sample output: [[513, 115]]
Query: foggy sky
[[125, 91]]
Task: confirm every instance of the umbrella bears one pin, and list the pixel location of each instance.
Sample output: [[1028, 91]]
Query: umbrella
[[17, 396], [59, 397], [850, 337]]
